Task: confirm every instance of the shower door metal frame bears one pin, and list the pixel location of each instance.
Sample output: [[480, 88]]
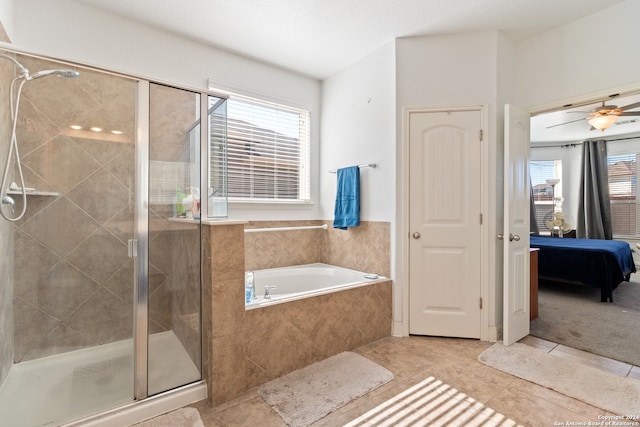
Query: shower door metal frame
[[205, 132], [141, 245]]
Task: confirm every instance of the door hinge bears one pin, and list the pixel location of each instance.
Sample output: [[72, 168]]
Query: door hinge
[[481, 134], [132, 248], [480, 219], [480, 303]]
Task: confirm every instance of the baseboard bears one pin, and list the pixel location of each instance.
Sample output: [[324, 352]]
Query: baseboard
[[495, 333], [398, 329]]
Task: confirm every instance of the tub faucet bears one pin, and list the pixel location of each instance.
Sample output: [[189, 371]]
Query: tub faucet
[[267, 289]]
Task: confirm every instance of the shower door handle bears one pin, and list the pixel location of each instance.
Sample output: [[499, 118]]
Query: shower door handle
[[132, 248]]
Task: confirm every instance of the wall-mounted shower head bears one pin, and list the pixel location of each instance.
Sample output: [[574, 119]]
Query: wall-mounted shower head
[[69, 74]]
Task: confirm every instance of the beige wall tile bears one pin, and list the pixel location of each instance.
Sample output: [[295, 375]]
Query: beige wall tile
[[364, 248], [274, 249], [228, 308], [227, 252]]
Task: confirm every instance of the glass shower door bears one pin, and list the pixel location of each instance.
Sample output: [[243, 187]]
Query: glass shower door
[[174, 238]]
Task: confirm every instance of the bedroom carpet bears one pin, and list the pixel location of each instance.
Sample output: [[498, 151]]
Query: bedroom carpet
[[573, 315], [601, 389], [309, 394]]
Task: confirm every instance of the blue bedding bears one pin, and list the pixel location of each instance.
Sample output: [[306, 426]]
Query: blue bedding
[[600, 264]]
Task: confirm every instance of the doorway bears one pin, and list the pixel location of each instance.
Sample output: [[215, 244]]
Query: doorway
[[556, 139]]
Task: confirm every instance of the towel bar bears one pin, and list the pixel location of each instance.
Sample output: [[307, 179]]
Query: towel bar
[[368, 165], [304, 227]]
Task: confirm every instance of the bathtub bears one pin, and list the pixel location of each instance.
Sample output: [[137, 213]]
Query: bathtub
[[304, 281]]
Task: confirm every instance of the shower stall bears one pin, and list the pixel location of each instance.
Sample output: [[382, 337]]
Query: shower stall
[[100, 302]]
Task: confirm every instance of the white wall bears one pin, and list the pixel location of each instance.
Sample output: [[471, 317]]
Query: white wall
[[584, 58], [505, 76], [6, 17], [71, 31], [358, 127], [358, 107], [459, 70]]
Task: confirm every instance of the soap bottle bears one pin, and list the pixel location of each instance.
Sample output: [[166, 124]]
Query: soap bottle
[[249, 288], [187, 203], [195, 204], [180, 211]]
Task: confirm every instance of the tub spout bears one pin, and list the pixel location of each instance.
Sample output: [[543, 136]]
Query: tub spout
[[267, 291]]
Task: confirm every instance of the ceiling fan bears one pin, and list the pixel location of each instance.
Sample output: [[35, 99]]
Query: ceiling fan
[[604, 116]]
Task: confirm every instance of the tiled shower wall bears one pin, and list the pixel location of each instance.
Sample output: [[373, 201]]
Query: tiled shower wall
[[6, 236], [363, 248]]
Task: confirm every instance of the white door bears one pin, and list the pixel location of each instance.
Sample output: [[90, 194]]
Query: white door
[[445, 223], [516, 225]]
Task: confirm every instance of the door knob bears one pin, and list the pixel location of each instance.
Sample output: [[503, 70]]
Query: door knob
[[416, 235], [514, 237], [500, 236]]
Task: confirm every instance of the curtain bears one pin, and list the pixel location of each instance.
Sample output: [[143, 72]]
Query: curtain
[[594, 206], [533, 226]]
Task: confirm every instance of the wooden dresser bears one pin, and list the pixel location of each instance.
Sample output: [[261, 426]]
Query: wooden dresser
[[533, 283]]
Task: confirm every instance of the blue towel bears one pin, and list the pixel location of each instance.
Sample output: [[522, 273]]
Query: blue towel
[[347, 211]]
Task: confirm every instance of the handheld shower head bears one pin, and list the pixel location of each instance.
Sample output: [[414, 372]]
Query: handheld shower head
[[23, 71], [69, 74]]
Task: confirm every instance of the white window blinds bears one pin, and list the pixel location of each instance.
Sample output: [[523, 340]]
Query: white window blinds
[[268, 151], [622, 172]]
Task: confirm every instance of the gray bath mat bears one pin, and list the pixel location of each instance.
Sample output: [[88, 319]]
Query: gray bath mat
[[311, 393], [604, 390]]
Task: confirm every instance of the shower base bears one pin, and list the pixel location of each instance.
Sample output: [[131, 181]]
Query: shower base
[[57, 389]]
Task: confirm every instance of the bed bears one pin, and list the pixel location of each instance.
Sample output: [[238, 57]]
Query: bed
[[600, 264]]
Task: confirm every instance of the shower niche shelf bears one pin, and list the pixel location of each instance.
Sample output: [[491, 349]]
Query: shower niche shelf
[[34, 193]]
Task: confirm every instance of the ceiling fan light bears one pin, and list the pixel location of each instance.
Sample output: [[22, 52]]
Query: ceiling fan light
[[602, 122]]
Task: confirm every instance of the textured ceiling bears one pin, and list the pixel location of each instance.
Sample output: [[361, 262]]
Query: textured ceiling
[[318, 38]]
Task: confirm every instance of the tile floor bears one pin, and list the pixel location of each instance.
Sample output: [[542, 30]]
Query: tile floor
[[453, 361]]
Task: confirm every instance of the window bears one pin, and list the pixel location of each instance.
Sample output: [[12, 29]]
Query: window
[[541, 171], [268, 151], [622, 172]]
